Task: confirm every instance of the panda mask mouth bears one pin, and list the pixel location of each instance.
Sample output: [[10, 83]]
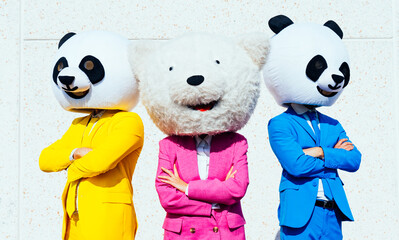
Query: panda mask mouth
[[326, 93], [77, 94]]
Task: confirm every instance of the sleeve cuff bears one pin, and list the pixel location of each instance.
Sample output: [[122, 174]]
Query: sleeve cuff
[[329, 161], [71, 155], [186, 192]]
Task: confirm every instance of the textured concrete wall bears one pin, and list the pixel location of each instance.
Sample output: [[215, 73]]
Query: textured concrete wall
[[30, 205]]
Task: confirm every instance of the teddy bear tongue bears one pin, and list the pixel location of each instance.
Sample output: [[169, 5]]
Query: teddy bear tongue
[[204, 107]]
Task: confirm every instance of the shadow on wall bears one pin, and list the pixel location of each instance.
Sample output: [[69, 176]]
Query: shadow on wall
[[277, 235]]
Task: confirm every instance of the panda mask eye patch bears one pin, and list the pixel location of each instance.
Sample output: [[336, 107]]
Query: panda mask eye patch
[[316, 67], [346, 72], [61, 64], [93, 68]]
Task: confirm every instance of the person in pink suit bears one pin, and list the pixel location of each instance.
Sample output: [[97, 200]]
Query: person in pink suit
[[200, 89]]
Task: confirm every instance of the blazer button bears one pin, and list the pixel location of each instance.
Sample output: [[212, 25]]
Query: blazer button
[[192, 230], [215, 229], [314, 184]]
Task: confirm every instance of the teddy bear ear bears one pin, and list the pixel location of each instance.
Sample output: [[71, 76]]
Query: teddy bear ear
[[139, 51], [256, 45]]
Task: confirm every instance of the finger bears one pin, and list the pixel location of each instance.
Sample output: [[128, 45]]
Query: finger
[[167, 171], [165, 177], [346, 144], [233, 174], [166, 181], [348, 148], [338, 144], [229, 173], [175, 171], [231, 169]]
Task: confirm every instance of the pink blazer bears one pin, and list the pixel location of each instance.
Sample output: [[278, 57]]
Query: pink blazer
[[191, 217]]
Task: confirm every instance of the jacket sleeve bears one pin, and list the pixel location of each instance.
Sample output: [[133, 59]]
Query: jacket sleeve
[[125, 136], [340, 158], [55, 157], [290, 153], [225, 192], [172, 200]]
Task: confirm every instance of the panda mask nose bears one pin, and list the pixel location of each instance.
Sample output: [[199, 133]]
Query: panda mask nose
[[337, 78], [195, 80], [66, 80]]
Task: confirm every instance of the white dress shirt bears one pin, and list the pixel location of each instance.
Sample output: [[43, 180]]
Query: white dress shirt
[[203, 150], [302, 110]]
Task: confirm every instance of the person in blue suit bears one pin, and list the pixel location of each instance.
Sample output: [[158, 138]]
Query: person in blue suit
[[308, 67]]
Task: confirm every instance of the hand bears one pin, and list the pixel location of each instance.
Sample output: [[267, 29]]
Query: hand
[[316, 152], [230, 174], [80, 152], [173, 179], [344, 144]]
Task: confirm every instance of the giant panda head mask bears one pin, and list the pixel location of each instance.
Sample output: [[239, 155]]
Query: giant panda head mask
[[91, 71], [307, 64]]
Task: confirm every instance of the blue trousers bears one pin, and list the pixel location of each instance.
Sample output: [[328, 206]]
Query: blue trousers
[[324, 224]]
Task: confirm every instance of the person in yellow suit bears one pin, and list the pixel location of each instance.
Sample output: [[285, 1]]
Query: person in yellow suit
[[92, 75]]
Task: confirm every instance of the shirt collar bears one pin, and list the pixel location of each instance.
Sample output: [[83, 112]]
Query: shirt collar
[[207, 139], [299, 109], [98, 115]]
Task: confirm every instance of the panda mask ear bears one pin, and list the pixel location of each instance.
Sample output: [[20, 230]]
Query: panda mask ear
[[334, 26], [65, 38], [256, 45], [279, 22]]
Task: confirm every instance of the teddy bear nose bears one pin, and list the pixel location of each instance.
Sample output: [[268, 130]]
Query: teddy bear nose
[[195, 80], [66, 80]]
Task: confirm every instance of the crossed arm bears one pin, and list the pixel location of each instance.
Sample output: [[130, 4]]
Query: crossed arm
[[171, 188], [125, 137], [318, 152], [311, 162]]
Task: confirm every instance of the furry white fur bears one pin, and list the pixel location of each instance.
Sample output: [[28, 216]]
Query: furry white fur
[[230, 69], [290, 52], [117, 90]]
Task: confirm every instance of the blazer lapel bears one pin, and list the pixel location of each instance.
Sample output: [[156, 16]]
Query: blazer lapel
[[324, 129], [91, 130], [302, 122], [218, 159], [186, 159]]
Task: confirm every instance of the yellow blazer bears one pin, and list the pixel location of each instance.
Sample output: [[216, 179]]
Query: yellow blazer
[[98, 193]]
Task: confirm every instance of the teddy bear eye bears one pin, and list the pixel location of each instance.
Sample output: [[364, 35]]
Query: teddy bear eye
[[171, 68], [217, 61]]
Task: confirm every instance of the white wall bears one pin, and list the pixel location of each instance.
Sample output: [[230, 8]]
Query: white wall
[[30, 205]]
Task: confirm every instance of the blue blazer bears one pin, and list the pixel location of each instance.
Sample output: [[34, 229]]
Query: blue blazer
[[289, 133]]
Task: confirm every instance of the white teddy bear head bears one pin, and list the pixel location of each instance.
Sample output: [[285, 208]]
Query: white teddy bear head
[[91, 70], [308, 63], [200, 83]]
